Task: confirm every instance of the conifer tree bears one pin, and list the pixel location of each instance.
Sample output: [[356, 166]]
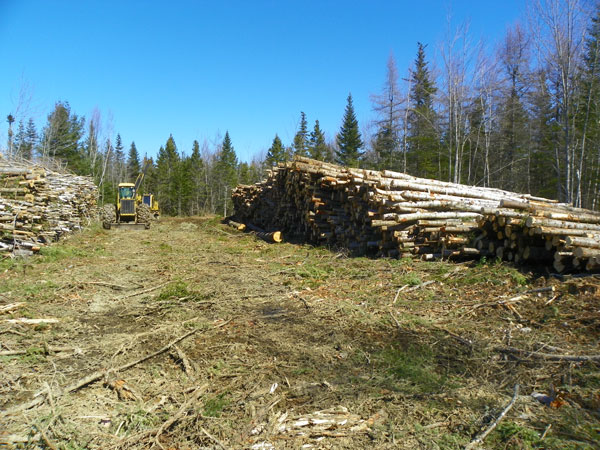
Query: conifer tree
[[31, 139], [121, 165], [422, 138], [151, 178], [225, 175], [168, 177], [133, 162], [300, 144], [317, 147], [20, 139], [276, 153], [61, 138], [544, 139], [349, 139], [197, 175]]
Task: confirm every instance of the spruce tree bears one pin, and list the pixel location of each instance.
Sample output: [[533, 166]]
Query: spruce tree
[[544, 175], [386, 148], [226, 175], [133, 162], [317, 148], [197, 171], [423, 140], [276, 153], [61, 138], [121, 167], [300, 143], [20, 139], [168, 177], [349, 140], [32, 139]]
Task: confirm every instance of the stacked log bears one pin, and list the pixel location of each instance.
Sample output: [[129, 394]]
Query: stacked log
[[38, 205], [393, 214], [557, 234]]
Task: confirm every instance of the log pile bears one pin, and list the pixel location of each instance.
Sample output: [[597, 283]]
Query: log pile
[[38, 205], [397, 215]]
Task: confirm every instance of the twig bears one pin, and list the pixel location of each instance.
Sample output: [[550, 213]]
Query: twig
[[12, 332], [213, 438], [549, 356], [184, 408], [419, 286], [41, 398], [10, 307], [479, 439], [540, 290], [396, 320], [400, 289], [47, 441], [460, 339], [117, 287], [552, 299], [187, 367], [546, 432], [46, 351], [26, 321]]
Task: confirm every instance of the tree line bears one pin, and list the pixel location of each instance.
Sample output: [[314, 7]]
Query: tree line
[[524, 116]]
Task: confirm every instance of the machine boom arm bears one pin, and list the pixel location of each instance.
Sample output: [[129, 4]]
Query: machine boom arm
[[140, 178]]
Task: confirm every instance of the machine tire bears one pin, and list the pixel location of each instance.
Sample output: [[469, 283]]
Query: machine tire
[[144, 215], [108, 215]]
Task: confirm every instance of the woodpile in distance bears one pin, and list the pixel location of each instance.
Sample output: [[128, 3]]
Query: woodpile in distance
[[38, 205], [397, 215]]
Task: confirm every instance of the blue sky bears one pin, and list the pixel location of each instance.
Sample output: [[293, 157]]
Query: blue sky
[[195, 69]]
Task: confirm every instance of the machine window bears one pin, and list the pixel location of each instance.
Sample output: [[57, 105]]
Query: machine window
[[126, 192]]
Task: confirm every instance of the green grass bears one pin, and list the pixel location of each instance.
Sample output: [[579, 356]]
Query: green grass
[[511, 435], [166, 248], [214, 406], [55, 253], [411, 279], [34, 290], [314, 274], [484, 272], [178, 289], [413, 367]]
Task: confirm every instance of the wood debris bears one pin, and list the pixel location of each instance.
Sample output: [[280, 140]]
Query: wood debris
[[333, 422], [39, 205], [397, 215]]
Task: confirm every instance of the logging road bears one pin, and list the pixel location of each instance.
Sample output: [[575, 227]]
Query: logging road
[[191, 335]]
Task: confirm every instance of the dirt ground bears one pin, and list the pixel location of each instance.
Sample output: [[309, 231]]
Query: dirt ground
[[192, 335]]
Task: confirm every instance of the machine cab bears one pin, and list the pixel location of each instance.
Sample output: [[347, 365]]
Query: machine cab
[[126, 191], [126, 202]]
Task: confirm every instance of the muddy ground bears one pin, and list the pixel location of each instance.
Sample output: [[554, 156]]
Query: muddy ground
[[192, 335]]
